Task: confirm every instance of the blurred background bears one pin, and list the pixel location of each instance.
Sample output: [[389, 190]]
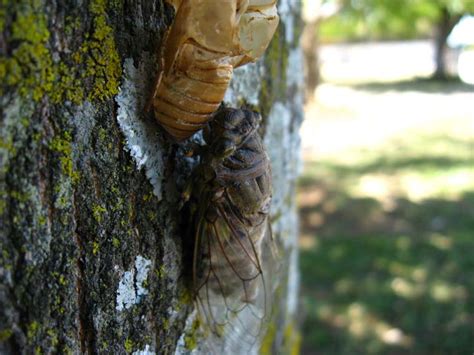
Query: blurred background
[[386, 197]]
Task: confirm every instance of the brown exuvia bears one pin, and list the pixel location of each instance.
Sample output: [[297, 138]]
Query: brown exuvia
[[206, 41], [230, 193]]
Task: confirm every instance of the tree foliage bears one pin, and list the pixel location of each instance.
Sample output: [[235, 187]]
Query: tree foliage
[[388, 19]]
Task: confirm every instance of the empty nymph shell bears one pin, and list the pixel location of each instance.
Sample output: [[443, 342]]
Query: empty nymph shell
[[206, 41]]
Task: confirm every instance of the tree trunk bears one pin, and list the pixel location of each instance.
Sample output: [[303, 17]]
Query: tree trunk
[[443, 28], [310, 45], [93, 258]]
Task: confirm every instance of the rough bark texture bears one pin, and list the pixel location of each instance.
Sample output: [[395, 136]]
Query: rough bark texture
[[93, 258]]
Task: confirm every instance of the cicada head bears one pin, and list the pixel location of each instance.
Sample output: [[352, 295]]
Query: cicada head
[[229, 128]]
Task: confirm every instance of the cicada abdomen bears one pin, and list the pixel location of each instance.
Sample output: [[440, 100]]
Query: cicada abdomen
[[206, 41], [233, 244]]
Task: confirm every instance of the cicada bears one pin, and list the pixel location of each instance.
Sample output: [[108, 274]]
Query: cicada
[[206, 41], [234, 252]]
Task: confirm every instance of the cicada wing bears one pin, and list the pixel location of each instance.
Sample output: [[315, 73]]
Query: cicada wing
[[234, 285]]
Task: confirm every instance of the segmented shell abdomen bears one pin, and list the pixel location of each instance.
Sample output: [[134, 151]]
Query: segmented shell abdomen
[[186, 98]]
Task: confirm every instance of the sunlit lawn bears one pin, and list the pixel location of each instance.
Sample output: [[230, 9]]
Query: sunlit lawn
[[387, 220]]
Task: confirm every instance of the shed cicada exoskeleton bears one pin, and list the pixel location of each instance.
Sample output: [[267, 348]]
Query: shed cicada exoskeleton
[[206, 41], [234, 253]]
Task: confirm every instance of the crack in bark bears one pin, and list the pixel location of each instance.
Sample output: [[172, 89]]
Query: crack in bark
[[86, 324]]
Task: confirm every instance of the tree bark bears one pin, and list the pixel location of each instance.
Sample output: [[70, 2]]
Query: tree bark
[[93, 255]]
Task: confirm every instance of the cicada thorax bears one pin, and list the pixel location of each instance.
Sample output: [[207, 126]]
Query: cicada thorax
[[233, 225], [192, 91]]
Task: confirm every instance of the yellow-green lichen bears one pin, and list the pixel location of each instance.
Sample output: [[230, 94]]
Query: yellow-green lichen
[[63, 146], [103, 61], [115, 242], [32, 330], [3, 13], [161, 272], [7, 144], [191, 338], [292, 339], [118, 205], [166, 324], [32, 70], [147, 197], [95, 248], [186, 297], [128, 345], [104, 346], [5, 334], [98, 211], [53, 337], [42, 220], [57, 305], [60, 277], [102, 134], [152, 215], [21, 197], [268, 339], [30, 66]]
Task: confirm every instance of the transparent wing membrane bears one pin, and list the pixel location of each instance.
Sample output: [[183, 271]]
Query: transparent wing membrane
[[232, 290]]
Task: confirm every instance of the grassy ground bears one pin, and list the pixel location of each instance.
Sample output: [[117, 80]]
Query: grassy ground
[[387, 218]]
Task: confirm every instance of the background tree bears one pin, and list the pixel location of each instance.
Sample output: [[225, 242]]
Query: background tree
[[404, 19], [93, 255], [313, 13]]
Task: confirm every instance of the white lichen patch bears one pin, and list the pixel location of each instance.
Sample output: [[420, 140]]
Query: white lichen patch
[[294, 73], [142, 266], [245, 85], [281, 155], [288, 10], [146, 351], [142, 138], [131, 287]]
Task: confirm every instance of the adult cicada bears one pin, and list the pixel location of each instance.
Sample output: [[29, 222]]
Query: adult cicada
[[234, 253]]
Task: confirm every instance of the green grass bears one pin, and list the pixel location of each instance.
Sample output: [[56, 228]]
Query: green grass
[[387, 246]]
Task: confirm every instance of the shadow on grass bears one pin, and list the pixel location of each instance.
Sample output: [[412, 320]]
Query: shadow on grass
[[387, 165], [451, 154], [426, 85], [386, 281]]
